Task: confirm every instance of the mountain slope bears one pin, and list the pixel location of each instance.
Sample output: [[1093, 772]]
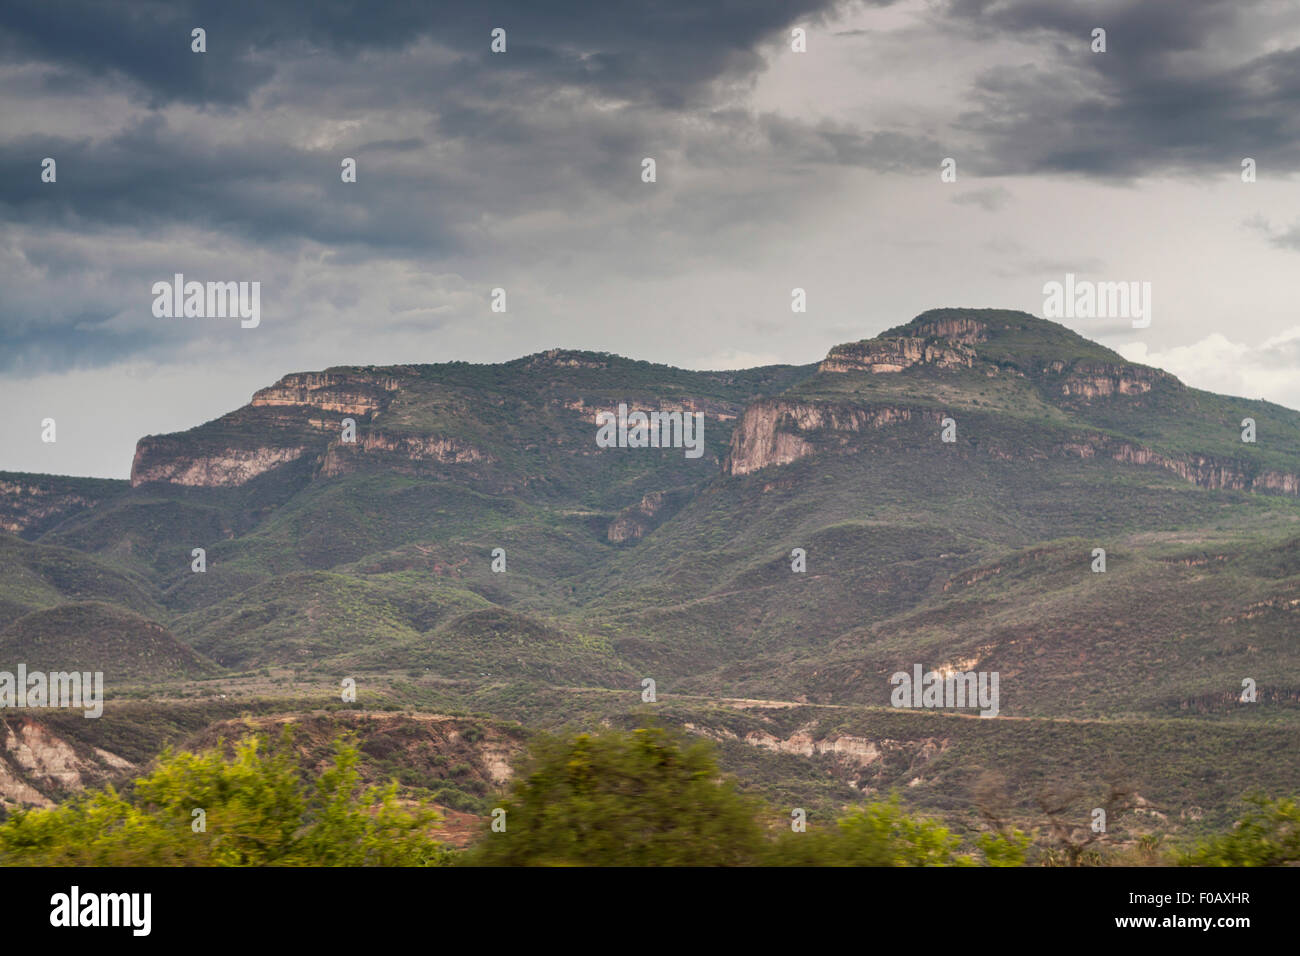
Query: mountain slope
[[949, 483]]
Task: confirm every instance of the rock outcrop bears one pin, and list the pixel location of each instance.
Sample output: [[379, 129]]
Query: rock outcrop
[[167, 460], [943, 342], [38, 767], [772, 431], [651, 511], [967, 331], [297, 416], [1207, 471], [404, 453], [346, 394], [1088, 380], [775, 432], [896, 355]]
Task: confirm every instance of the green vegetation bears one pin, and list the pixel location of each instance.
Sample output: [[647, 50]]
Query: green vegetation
[[644, 797], [881, 834], [1267, 835], [373, 562], [209, 809], [636, 799]]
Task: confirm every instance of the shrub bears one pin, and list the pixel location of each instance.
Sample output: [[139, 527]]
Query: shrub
[[258, 810], [1268, 835]]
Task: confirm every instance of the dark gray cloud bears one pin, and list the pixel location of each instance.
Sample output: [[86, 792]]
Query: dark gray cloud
[[1184, 86], [462, 131], [523, 170], [262, 187], [243, 143], [651, 52]]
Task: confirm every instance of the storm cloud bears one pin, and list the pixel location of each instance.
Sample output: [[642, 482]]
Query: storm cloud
[[522, 170]]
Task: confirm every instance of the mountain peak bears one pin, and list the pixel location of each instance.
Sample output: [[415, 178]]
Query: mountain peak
[[569, 358], [961, 338]]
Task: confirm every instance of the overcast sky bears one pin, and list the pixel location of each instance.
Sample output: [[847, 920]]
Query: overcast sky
[[522, 170]]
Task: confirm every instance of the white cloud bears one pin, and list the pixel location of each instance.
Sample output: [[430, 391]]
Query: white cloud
[[1218, 364]]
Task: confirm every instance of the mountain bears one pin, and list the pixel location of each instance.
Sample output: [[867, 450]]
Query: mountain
[[949, 483]]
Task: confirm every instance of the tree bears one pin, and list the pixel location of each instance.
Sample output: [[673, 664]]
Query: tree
[[627, 799], [1268, 835], [1072, 839], [252, 808], [878, 834], [647, 798], [1069, 838]]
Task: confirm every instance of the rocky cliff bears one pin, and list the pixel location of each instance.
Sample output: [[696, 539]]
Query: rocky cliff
[[342, 393], [168, 460], [460, 423], [778, 432], [1089, 380], [773, 432], [298, 416], [38, 767], [897, 354]]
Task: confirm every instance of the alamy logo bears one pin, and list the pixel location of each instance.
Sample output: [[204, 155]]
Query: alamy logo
[[1085, 299], [213, 300], [946, 689], [74, 689], [653, 430], [103, 909]]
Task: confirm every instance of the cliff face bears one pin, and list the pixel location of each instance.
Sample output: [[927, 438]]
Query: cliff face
[[897, 354], [37, 764], [341, 393], [957, 329], [1047, 375], [297, 416], [945, 342], [634, 522], [953, 343], [772, 432], [1089, 380], [1206, 471], [407, 454], [167, 459], [163, 459], [504, 427], [456, 422]]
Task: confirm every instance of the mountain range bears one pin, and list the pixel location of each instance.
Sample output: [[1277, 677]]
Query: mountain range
[[973, 490]]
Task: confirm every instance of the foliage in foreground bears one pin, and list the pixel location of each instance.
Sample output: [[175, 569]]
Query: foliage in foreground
[[646, 799], [254, 809], [640, 798], [1268, 835], [636, 799]]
